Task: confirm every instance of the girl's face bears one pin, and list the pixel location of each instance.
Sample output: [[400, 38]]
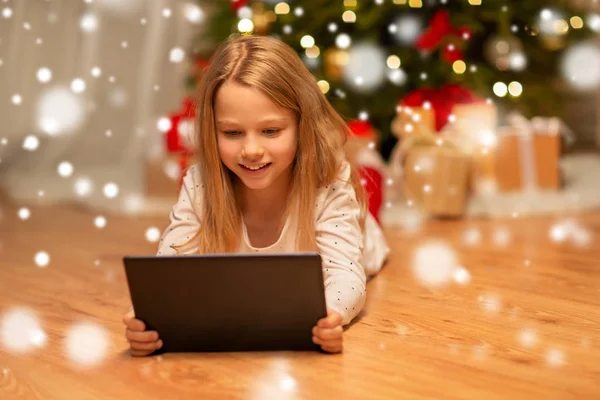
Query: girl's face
[[257, 139]]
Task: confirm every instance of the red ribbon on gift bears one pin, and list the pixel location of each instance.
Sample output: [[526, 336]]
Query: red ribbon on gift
[[173, 139], [440, 29], [442, 101]]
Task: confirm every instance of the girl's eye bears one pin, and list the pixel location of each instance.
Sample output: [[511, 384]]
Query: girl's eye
[[231, 133], [273, 131]]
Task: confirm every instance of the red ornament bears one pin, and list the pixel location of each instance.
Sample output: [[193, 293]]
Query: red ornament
[[362, 129], [237, 4], [439, 31], [442, 101]]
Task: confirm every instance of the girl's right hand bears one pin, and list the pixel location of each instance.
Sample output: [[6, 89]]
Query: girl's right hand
[[141, 342]]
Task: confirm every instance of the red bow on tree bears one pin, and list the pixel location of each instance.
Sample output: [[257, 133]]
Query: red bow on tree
[[441, 32], [442, 101]]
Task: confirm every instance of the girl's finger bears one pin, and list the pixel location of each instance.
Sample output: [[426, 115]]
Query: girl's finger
[[333, 349], [136, 336], [318, 341], [328, 334], [151, 346], [139, 353], [128, 316], [136, 325]]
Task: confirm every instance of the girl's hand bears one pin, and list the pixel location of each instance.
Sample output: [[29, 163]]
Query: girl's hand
[[141, 342], [328, 333]]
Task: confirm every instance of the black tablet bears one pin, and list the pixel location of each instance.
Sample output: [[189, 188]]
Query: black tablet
[[229, 302]]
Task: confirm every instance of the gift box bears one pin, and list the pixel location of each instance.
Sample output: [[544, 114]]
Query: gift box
[[527, 155], [436, 175], [474, 131]]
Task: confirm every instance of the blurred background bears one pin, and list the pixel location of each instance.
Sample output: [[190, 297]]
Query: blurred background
[[459, 108]]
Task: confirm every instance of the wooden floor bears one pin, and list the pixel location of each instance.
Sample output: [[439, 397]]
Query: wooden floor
[[526, 326]]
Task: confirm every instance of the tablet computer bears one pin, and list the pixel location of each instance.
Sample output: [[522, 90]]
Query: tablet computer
[[229, 302]]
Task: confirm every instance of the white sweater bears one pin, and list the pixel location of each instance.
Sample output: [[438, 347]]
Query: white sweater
[[347, 256]]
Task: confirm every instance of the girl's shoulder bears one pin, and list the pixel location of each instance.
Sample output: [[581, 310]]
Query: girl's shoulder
[[193, 186], [341, 184]]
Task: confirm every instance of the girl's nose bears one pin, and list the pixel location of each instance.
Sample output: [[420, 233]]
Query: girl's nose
[[252, 151]]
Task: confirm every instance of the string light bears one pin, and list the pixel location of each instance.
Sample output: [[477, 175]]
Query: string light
[[459, 67], [245, 25], [324, 86], [515, 89], [313, 52], [393, 62], [282, 8], [500, 89], [576, 22], [349, 17], [307, 41]]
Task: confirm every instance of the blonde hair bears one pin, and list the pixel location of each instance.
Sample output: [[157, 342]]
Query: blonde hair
[[272, 67]]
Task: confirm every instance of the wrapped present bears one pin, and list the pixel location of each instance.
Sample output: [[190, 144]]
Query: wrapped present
[[474, 130], [527, 154], [435, 174]]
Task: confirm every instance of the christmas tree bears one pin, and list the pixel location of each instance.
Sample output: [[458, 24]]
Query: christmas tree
[[369, 54]]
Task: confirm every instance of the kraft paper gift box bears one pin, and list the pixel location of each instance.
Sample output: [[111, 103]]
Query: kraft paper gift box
[[436, 176], [527, 156]]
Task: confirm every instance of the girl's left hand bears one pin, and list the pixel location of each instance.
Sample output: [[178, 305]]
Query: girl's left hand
[[328, 333]]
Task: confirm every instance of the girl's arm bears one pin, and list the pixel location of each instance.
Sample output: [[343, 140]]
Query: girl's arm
[[180, 235], [340, 243]]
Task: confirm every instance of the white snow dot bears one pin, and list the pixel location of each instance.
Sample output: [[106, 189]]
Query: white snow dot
[[83, 187], [65, 169], [555, 358], [78, 85], [111, 190], [176, 55], [44, 75], [86, 344], [462, 276], [100, 222], [20, 331], [42, 259], [24, 213], [528, 337], [434, 263], [152, 234]]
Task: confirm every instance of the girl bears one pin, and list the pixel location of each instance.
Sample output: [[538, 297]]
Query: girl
[[272, 177]]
